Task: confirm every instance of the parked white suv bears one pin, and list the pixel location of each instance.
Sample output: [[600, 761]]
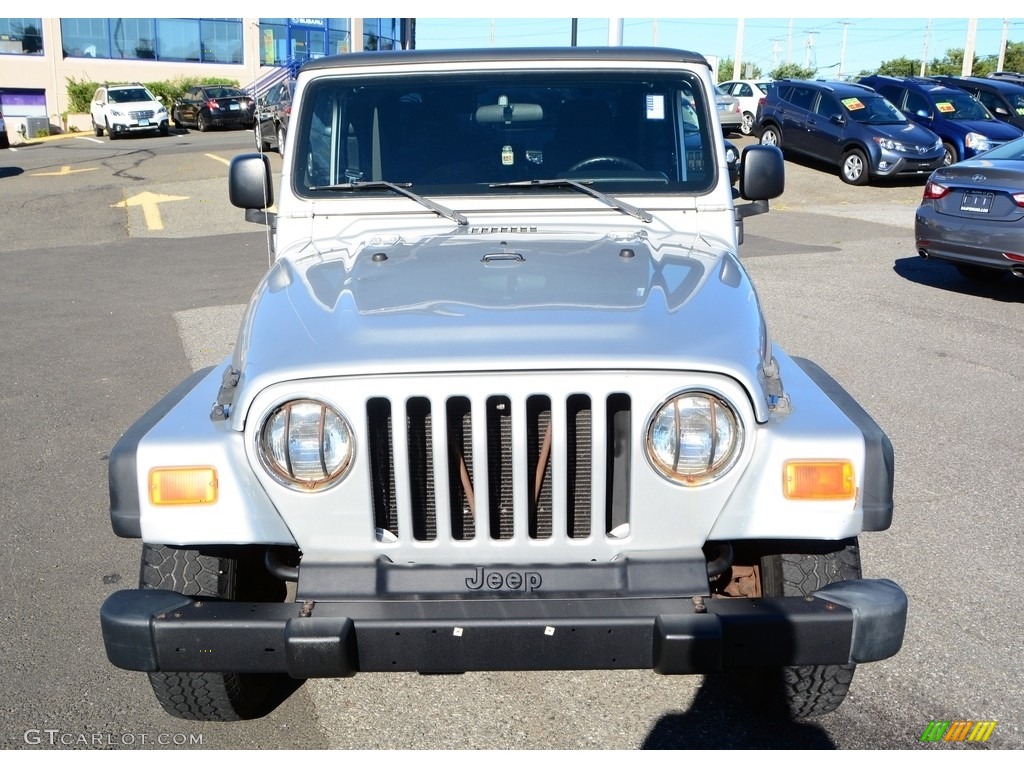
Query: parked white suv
[[749, 93], [123, 109], [505, 400]]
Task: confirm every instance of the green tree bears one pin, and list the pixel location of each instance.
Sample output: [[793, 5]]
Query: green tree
[[789, 69], [901, 67], [748, 70], [1013, 61]]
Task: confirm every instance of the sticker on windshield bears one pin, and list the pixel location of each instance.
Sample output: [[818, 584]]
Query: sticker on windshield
[[853, 104], [655, 106], [945, 106]]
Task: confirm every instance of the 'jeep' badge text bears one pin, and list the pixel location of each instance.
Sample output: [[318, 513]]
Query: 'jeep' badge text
[[507, 581]]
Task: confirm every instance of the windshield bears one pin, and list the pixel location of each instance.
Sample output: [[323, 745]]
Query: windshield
[[127, 95], [959, 106], [873, 110], [466, 134]]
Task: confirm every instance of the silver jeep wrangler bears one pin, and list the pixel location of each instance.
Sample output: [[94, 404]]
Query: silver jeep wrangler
[[505, 400]]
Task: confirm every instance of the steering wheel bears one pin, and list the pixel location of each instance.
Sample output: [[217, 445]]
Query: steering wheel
[[609, 160]]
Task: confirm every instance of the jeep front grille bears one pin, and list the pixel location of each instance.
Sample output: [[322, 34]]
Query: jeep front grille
[[500, 466]]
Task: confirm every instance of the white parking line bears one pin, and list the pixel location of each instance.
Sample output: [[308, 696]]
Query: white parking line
[[89, 138], [218, 159]]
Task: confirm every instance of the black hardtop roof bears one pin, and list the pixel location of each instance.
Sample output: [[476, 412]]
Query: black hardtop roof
[[462, 55]]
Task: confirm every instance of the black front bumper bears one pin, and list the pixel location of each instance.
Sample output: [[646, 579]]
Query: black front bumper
[[155, 630]]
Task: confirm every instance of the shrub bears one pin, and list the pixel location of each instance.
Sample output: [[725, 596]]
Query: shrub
[[80, 91]]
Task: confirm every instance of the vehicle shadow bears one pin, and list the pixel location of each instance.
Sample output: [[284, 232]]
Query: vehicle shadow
[[12, 170], [944, 276], [719, 719], [896, 182]]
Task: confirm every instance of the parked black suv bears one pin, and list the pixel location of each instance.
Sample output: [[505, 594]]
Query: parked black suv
[[272, 113], [1004, 98], [849, 125], [961, 121]]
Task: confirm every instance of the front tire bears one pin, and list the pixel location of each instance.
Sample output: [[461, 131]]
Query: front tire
[[209, 696], [806, 691], [854, 168], [952, 156]]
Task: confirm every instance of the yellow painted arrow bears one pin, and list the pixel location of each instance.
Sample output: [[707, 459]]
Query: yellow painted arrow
[[149, 202], [64, 171]]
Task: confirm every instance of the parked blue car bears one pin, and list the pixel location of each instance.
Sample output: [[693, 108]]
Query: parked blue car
[[965, 126]]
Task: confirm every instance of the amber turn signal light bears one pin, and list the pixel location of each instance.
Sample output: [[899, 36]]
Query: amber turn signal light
[[182, 485], [818, 480]]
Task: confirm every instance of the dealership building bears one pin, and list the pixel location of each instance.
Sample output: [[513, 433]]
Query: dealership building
[[39, 56]]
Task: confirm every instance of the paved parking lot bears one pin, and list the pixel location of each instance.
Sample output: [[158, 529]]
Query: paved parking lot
[[103, 314]]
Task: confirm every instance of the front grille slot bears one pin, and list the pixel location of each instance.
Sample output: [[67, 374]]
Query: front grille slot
[[499, 468]]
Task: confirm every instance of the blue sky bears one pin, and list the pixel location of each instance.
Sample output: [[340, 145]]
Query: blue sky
[[767, 42]]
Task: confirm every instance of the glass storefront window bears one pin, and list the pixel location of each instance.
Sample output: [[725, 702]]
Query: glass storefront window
[[199, 40], [133, 39], [21, 36], [85, 37], [178, 39]]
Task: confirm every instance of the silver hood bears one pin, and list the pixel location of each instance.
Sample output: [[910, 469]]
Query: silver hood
[[458, 302]]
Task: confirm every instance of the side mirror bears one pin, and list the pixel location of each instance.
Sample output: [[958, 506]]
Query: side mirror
[[837, 119], [762, 172], [250, 186]]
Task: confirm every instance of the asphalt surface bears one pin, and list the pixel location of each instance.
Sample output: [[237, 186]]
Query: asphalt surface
[[103, 314]]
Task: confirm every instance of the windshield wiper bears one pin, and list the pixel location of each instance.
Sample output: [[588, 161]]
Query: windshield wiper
[[402, 189], [608, 200]]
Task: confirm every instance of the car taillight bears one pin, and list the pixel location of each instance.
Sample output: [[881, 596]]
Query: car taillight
[[1018, 199], [212, 104], [933, 191], [288, 109]]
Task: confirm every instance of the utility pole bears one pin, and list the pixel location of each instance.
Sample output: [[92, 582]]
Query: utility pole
[[924, 56], [972, 33], [789, 51], [737, 59], [842, 50], [654, 32], [810, 57], [615, 32], [1002, 46]]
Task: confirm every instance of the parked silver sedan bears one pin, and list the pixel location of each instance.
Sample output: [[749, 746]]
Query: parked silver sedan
[[972, 214], [729, 111]]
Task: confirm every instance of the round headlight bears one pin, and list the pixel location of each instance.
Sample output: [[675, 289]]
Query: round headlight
[[694, 438], [306, 444]]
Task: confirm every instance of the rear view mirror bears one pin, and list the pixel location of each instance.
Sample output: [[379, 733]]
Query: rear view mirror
[[509, 113]]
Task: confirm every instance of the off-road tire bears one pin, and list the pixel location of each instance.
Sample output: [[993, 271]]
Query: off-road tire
[[806, 691], [210, 696]]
